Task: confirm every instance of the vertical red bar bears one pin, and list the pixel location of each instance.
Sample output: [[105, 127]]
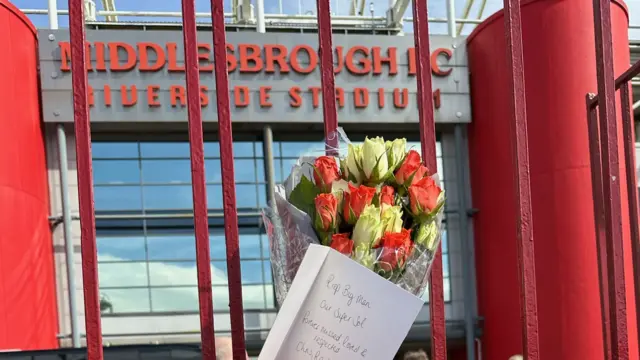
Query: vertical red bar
[[327, 76], [611, 179], [228, 180], [632, 187], [526, 258], [598, 210], [85, 181], [199, 188], [428, 142]]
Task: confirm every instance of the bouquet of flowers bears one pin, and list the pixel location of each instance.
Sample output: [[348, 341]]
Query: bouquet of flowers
[[375, 203]]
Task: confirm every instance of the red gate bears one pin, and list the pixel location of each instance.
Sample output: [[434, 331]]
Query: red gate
[[605, 170], [427, 136]]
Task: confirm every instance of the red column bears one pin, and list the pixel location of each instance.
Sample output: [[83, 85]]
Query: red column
[[560, 68], [28, 311]]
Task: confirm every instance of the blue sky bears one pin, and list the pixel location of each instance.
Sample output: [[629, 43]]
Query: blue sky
[[437, 8]]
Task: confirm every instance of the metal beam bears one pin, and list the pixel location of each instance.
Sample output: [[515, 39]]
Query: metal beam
[[396, 12]]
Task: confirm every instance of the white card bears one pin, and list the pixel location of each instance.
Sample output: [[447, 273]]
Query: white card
[[337, 309]]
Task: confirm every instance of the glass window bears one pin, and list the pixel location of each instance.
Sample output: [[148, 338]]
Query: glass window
[[106, 172], [168, 299], [112, 248], [168, 150], [166, 171], [124, 301], [171, 247], [114, 150], [165, 273], [122, 274], [168, 197], [124, 198]]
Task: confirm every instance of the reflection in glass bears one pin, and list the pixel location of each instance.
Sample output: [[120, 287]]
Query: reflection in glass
[[124, 301], [174, 299], [122, 274], [110, 198], [116, 172], [164, 197], [166, 171], [171, 247], [114, 150], [114, 248], [173, 273]]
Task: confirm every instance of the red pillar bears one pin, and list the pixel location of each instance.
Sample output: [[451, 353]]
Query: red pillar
[[28, 311], [559, 61]]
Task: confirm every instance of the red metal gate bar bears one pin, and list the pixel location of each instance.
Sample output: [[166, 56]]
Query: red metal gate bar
[[526, 256], [198, 181], [598, 211], [428, 144], [632, 187], [631, 72], [228, 180], [611, 178], [327, 76], [85, 181]]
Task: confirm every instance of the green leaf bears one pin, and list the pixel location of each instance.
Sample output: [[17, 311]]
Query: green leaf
[[303, 196]]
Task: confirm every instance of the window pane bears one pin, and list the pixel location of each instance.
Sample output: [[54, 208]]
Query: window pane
[[214, 196], [120, 248], [211, 149], [212, 168], [166, 171], [219, 273], [164, 150], [172, 273], [171, 247], [122, 274], [247, 196], [174, 299], [221, 298], [217, 246], [251, 272], [445, 265], [299, 148], [114, 150], [245, 170], [124, 301], [253, 296], [283, 169], [266, 267], [250, 246], [168, 197], [116, 172], [242, 149], [117, 198]]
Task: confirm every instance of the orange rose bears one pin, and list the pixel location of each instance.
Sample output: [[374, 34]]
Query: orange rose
[[423, 196], [325, 172], [342, 243], [396, 248], [387, 196], [326, 211], [411, 166], [355, 200]]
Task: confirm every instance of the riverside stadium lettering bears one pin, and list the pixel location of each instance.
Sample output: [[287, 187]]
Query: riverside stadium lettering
[[252, 59]]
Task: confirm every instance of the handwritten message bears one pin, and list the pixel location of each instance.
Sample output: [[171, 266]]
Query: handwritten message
[[338, 310], [338, 305]]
